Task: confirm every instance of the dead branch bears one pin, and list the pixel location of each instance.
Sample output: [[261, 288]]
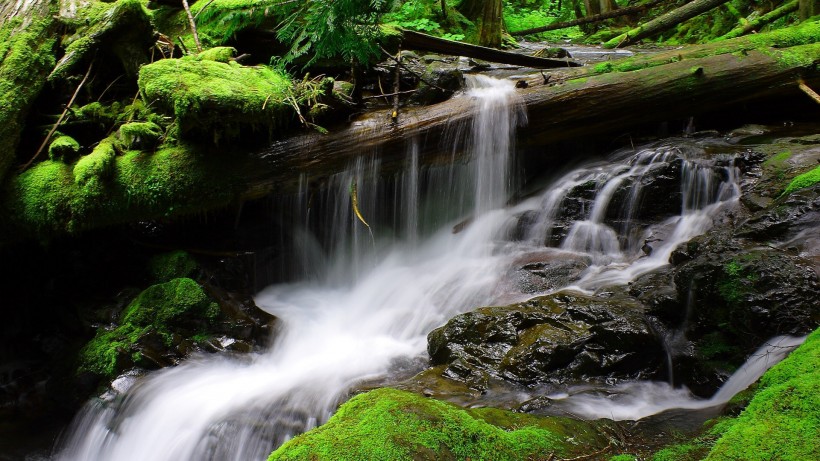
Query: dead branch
[[59, 120]]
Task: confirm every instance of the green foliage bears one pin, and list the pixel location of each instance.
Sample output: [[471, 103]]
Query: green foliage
[[160, 309], [26, 58], [783, 419], [681, 452], [167, 266], [623, 457], [392, 424]]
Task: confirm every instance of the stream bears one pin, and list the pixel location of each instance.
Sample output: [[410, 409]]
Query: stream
[[361, 304]]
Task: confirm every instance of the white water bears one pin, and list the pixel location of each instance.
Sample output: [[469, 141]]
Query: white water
[[362, 307], [636, 400]]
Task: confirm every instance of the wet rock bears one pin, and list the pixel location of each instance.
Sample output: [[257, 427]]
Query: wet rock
[[653, 196], [747, 292], [544, 271], [439, 80], [789, 216], [548, 339]]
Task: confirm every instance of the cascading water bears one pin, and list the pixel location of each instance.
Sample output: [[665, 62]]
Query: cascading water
[[361, 307], [350, 322]]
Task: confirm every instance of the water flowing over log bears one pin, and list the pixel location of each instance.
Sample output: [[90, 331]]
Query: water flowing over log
[[582, 107], [590, 19], [412, 40], [664, 22]]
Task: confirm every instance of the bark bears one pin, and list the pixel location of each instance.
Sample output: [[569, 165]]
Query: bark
[[590, 19], [487, 16], [767, 18], [808, 8], [664, 22], [412, 40]]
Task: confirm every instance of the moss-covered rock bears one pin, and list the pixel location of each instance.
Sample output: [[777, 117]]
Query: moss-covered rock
[[26, 58], [393, 424], [140, 135], [167, 266], [211, 96], [63, 147], [165, 313], [807, 179], [548, 338]]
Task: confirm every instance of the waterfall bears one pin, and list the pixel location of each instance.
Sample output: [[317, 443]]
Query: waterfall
[[367, 308], [360, 308]]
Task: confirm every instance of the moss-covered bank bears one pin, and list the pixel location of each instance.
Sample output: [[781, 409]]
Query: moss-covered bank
[[26, 58], [392, 424], [782, 420]]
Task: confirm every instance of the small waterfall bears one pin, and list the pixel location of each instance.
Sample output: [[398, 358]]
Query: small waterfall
[[357, 308], [365, 307], [636, 400]]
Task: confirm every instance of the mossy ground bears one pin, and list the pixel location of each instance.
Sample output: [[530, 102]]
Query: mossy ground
[[393, 424], [160, 309]]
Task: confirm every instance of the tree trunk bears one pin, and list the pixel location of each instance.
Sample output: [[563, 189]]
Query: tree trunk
[[487, 16], [664, 22], [809, 8], [763, 20]]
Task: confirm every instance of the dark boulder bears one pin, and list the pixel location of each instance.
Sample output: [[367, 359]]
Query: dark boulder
[[552, 338]]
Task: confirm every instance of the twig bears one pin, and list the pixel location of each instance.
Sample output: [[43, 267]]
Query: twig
[[59, 120], [377, 96], [203, 9], [806, 89], [408, 70], [109, 87], [396, 88], [182, 45], [193, 25]]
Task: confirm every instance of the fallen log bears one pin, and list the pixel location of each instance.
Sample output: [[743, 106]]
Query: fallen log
[[589, 19], [583, 107], [664, 22], [412, 40], [767, 18]]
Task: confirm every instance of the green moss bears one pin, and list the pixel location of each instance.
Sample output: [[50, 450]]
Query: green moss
[[681, 452], [735, 283], [218, 54], [623, 457], [26, 58], [210, 95], [140, 135], [783, 419], [162, 309], [393, 424], [171, 265], [105, 188], [803, 181], [63, 147]]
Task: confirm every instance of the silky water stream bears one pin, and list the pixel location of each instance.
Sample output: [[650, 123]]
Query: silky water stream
[[362, 307]]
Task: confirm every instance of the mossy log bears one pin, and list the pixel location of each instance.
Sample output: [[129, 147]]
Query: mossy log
[[771, 16], [664, 22], [581, 107], [589, 19]]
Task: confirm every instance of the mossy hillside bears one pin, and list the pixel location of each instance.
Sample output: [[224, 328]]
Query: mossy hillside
[[209, 95], [783, 419], [393, 424], [164, 310], [105, 188], [26, 58]]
